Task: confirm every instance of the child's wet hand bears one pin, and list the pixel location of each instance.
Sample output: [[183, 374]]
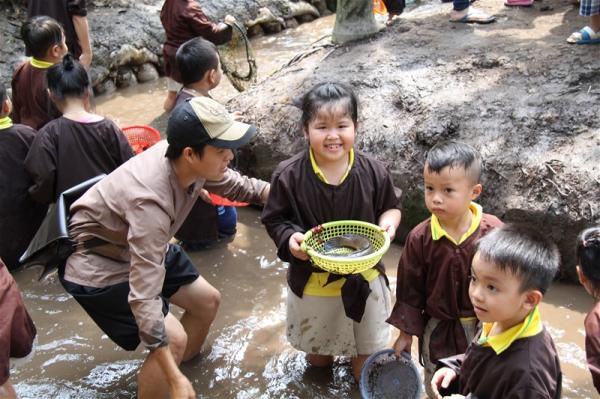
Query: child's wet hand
[[294, 244], [403, 343], [230, 19], [442, 378]]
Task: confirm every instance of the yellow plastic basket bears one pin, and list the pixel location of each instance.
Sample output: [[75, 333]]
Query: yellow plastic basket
[[317, 236]]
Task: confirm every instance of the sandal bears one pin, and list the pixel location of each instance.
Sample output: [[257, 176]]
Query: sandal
[[475, 16], [584, 36]]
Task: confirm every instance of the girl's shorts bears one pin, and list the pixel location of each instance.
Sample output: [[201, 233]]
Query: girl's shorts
[[319, 325]]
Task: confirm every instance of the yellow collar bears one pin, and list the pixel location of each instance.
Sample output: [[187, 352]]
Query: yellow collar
[[5, 123], [437, 231], [39, 63], [320, 173], [532, 325]]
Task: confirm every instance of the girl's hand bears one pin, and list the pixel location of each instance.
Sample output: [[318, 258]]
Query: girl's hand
[[442, 379], [390, 229], [294, 244]]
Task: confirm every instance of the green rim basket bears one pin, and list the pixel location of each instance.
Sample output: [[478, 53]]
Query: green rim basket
[[317, 236]]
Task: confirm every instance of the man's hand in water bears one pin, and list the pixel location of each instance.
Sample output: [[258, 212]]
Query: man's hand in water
[[182, 388], [442, 379], [294, 244], [403, 343]]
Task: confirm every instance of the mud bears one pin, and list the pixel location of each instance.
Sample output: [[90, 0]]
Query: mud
[[246, 354]]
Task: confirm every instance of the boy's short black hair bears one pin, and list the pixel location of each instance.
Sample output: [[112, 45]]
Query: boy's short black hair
[[588, 255], [455, 154], [194, 58], [40, 34], [523, 251], [174, 152]]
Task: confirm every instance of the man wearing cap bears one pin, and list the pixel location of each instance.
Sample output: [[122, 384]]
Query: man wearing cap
[[126, 284]]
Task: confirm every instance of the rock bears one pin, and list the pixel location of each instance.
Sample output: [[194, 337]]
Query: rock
[[98, 74], [272, 27], [125, 77], [146, 73], [255, 30], [106, 87], [129, 55], [291, 23]]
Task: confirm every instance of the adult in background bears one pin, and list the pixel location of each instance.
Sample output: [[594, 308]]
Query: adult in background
[[184, 20], [72, 14]]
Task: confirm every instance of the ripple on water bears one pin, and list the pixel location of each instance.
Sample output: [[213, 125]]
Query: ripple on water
[[108, 375]]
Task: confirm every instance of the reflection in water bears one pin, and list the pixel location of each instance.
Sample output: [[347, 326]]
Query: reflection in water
[[246, 354]]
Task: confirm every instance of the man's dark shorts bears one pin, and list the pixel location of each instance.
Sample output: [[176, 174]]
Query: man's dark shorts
[[109, 308]]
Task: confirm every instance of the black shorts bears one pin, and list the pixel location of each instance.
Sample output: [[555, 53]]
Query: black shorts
[[109, 307]]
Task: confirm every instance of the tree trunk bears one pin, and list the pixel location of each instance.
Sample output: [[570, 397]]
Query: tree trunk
[[354, 20]]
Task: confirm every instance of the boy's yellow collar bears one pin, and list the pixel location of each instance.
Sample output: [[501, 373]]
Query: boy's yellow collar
[[5, 123], [532, 325], [320, 173], [39, 63], [437, 231]]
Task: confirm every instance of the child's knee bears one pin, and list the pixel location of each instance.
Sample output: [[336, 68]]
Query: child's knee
[[214, 301]]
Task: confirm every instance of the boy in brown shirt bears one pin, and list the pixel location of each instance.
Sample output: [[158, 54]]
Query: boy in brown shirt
[[432, 300], [513, 355], [45, 40]]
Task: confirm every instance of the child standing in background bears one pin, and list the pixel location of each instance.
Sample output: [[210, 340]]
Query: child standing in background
[[588, 270], [432, 298], [45, 40], [77, 146], [330, 181]]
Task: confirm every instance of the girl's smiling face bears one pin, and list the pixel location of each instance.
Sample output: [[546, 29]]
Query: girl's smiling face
[[331, 134]]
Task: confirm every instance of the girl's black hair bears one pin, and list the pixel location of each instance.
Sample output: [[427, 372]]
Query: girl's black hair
[[324, 95], [3, 95], [588, 255], [68, 78], [40, 34]]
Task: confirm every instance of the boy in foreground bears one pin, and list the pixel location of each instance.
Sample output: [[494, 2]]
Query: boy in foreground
[[513, 356]]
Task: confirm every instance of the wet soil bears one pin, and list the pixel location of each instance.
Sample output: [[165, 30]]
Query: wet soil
[[246, 354]]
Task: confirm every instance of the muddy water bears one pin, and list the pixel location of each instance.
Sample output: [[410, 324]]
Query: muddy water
[[246, 354]]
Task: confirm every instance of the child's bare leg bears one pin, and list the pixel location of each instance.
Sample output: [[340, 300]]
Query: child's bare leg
[[7, 390], [357, 365], [595, 22], [152, 382], [319, 360], [169, 103], [200, 300]]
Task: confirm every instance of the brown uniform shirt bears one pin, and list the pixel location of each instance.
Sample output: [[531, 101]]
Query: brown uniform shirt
[[62, 11], [17, 330], [184, 20], [433, 281], [20, 216], [137, 209], [299, 201], [528, 369], [592, 343], [31, 103], [66, 153]]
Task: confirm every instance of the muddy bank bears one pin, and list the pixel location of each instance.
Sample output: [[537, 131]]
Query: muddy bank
[[127, 35], [514, 89]]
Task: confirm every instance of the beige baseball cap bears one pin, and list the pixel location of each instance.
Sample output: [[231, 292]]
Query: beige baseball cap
[[202, 120]]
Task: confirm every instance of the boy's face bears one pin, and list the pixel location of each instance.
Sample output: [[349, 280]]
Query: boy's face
[[496, 294], [449, 193], [330, 135], [213, 163]]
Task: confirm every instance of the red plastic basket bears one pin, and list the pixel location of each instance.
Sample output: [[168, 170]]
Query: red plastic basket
[[141, 137]]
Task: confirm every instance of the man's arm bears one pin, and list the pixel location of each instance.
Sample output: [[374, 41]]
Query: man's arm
[[83, 37]]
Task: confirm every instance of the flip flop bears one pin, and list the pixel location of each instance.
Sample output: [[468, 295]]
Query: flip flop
[[475, 16], [585, 36], [518, 3]]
